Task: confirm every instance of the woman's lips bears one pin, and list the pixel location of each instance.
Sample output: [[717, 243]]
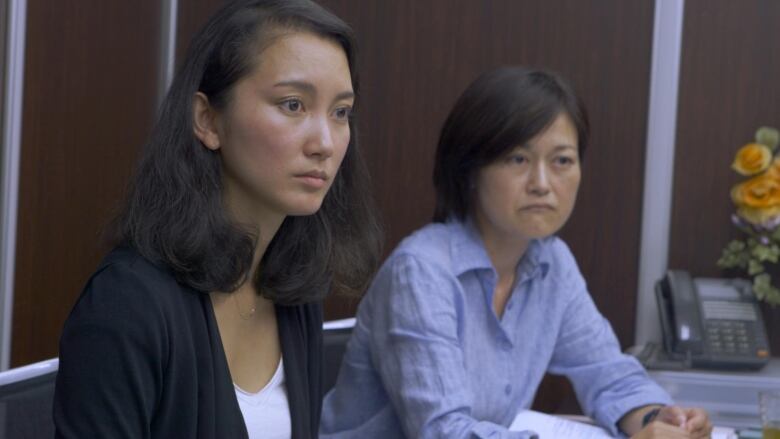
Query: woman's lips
[[314, 179]]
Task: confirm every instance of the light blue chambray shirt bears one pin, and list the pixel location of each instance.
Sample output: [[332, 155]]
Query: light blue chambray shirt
[[429, 358]]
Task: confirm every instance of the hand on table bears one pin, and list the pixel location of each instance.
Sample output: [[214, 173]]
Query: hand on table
[[677, 422]]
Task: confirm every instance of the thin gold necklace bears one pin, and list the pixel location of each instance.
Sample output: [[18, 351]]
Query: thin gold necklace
[[238, 308]]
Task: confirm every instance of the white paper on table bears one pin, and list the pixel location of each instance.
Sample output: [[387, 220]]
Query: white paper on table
[[723, 433], [553, 427]]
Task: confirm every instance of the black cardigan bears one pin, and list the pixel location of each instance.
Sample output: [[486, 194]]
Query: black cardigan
[[141, 357]]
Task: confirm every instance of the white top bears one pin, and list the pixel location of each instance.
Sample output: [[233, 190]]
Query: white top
[[267, 412]]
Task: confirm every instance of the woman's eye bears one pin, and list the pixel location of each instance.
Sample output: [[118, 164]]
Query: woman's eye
[[564, 161], [342, 113], [517, 159], [292, 105]]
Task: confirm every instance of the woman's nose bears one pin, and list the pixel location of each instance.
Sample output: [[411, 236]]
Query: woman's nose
[[538, 181], [320, 142]]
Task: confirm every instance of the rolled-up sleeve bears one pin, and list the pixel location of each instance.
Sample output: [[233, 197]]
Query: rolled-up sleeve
[[608, 383], [418, 353]]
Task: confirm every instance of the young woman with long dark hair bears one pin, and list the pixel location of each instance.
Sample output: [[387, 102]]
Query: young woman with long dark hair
[[250, 203]]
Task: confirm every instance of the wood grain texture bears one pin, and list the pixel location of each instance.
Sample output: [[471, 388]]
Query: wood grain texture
[[192, 15], [89, 100], [417, 57], [728, 87]]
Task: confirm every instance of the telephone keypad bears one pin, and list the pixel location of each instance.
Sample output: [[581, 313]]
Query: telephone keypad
[[729, 337]]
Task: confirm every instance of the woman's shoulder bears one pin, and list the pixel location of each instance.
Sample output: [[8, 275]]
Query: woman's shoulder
[[556, 251], [429, 244], [423, 258], [562, 266], [129, 270], [128, 260], [127, 285]]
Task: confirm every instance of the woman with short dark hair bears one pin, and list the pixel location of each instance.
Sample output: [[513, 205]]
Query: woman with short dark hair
[[250, 203], [467, 315]]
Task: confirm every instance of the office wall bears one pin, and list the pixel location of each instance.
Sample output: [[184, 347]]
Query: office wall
[[415, 59], [192, 15], [729, 86], [89, 99], [91, 79]]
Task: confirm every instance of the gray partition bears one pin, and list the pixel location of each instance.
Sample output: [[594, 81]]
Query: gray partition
[[12, 57]]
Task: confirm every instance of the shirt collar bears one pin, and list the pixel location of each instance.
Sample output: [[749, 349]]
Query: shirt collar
[[535, 262], [466, 247], [468, 252]]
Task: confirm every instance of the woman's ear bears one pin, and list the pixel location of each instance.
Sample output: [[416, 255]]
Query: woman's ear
[[204, 122]]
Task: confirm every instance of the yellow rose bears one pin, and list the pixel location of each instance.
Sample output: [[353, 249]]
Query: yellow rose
[[752, 159], [759, 216], [759, 192], [774, 168], [758, 199]]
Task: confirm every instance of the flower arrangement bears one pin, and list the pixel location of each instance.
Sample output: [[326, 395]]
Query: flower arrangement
[[757, 200]]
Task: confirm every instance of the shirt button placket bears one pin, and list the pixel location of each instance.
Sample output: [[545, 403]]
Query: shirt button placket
[[506, 345]]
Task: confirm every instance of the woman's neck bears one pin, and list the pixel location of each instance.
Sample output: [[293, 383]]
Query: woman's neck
[[504, 250], [265, 222], [267, 228]]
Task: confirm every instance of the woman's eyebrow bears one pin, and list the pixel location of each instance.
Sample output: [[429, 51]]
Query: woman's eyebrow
[[304, 86], [309, 88], [563, 147]]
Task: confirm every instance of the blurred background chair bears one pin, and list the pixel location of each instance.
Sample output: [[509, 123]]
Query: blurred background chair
[[335, 338], [26, 395]]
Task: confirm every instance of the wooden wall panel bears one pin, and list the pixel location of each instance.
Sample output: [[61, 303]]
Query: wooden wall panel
[[89, 100], [192, 15], [728, 87], [417, 57]]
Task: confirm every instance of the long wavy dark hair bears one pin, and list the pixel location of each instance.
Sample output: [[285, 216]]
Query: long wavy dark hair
[[174, 214], [500, 110]]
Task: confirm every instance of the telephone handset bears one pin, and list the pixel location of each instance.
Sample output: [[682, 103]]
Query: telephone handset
[[711, 323]]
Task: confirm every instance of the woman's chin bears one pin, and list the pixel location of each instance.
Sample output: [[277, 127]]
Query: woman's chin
[[304, 209]]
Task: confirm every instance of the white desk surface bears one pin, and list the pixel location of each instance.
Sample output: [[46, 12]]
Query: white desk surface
[[730, 398]]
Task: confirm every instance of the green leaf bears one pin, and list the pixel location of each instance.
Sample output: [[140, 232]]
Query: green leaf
[[736, 254], [755, 267], [768, 136], [763, 252], [762, 286], [773, 254], [737, 245], [772, 296]]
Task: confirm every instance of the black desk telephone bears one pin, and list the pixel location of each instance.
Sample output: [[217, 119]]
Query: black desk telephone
[[711, 323]]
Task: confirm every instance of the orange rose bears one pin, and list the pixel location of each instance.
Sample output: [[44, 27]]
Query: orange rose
[[758, 199], [752, 159]]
